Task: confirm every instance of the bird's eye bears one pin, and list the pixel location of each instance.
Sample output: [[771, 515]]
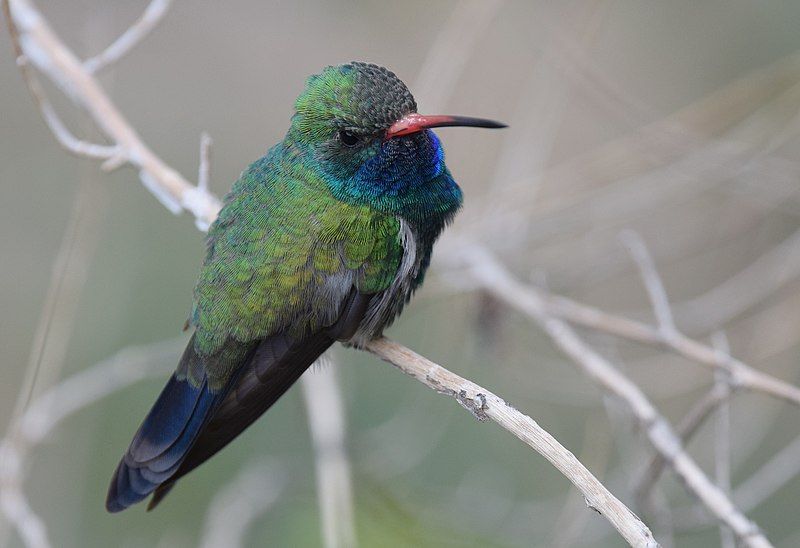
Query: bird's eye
[[348, 139]]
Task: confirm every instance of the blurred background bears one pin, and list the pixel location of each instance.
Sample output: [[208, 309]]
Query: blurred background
[[678, 120]]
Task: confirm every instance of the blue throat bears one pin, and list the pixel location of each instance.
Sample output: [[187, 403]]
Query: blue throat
[[406, 177]]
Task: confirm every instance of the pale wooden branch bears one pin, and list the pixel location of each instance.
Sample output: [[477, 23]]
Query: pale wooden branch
[[36, 41], [65, 138], [750, 493], [498, 281], [149, 20], [204, 169], [326, 421], [685, 430], [722, 439], [652, 281], [14, 504], [741, 374], [484, 405], [596, 451]]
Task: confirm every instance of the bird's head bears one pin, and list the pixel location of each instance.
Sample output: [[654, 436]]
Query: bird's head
[[360, 124]]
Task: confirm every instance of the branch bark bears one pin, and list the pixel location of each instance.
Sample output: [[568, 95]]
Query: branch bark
[[35, 42], [485, 405], [497, 280]]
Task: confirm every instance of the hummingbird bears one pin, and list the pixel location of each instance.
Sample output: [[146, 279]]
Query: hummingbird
[[323, 239]]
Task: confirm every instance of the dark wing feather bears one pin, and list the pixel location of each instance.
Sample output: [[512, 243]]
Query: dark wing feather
[[276, 364], [164, 438]]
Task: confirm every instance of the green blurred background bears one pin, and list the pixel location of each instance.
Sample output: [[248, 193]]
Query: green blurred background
[[574, 80]]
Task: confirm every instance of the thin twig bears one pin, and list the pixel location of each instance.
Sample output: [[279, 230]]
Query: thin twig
[[204, 169], [652, 281], [29, 525], [149, 19], [57, 127], [722, 439], [750, 493], [742, 375], [500, 282], [486, 405], [326, 420], [49, 54], [685, 430]]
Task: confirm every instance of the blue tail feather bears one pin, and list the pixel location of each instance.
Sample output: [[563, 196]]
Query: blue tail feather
[[162, 442]]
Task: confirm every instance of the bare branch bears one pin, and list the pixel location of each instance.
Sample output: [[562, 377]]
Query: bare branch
[[596, 452], [652, 281], [326, 420], [500, 282], [57, 127], [741, 374], [685, 430], [722, 438], [17, 510], [35, 39], [204, 171], [149, 19], [750, 493], [486, 405]]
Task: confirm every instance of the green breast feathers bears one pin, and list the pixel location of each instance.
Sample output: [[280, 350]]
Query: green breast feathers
[[284, 254]]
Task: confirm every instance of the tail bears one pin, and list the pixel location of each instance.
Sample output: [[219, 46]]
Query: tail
[[164, 438], [189, 424]]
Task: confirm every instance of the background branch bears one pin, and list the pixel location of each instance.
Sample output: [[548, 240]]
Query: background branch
[[120, 47], [496, 279], [326, 420], [36, 42]]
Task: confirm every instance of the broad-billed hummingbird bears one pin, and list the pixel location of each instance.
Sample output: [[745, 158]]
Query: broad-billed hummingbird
[[323, 239]]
